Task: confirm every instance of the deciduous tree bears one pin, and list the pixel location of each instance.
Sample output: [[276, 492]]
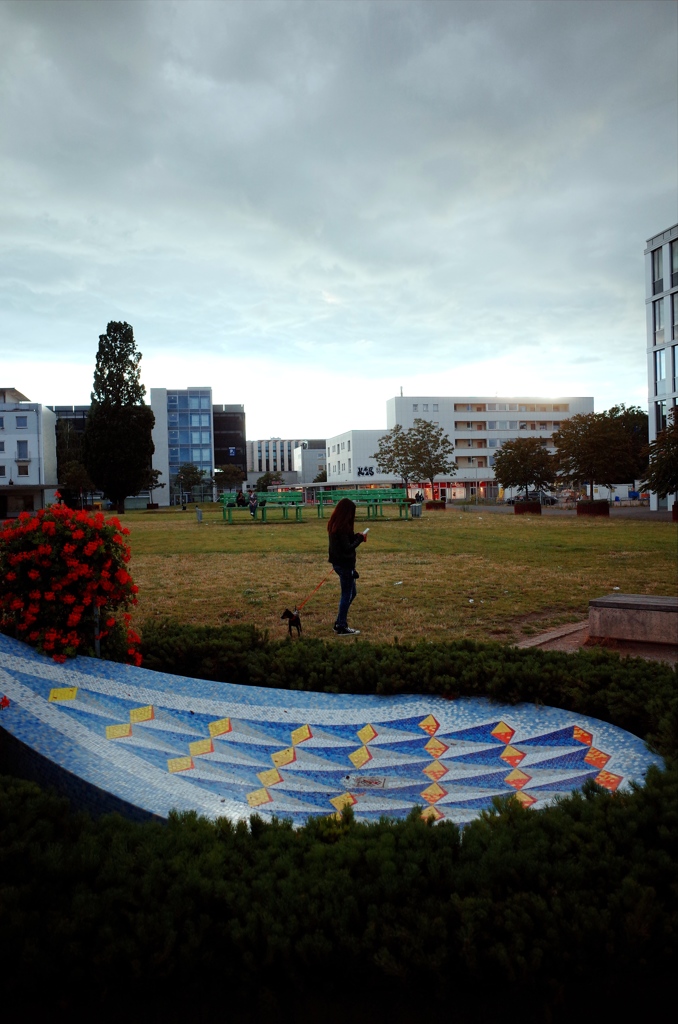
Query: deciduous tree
[[431, 451], [662, 475], [595, 448], [117, 446], [229, 476], [394, 454], [523, 463]]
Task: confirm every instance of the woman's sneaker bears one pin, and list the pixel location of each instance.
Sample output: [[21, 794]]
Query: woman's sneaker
[[345, 631]]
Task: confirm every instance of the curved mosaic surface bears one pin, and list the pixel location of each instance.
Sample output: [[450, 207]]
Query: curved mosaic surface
[[158, 741]]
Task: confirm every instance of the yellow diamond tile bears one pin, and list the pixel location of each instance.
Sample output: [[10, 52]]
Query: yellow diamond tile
[[283, 757], [116, 732], [301, 734], [271, 777], [430, 725], [435, 771], [137, 715], [525, 799], [259, 797], [179, 764], [345, 800], [220, 727], [367, 734], [512, 755], [432, 814], [64, 693], [597, 758], [435, 748], [199, 747], [582, 735], [433, 792], [360, 757], [503, 732], [517, 779]]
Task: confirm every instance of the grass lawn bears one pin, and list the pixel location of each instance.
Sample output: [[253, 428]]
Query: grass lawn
[[448, 575]]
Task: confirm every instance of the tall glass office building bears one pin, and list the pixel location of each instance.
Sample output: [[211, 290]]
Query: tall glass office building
[[183, 433]]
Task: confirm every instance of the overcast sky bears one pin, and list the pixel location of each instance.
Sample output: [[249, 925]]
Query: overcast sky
[[307, 205]]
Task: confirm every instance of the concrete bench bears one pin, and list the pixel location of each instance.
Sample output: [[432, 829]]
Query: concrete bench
[[638, 617]]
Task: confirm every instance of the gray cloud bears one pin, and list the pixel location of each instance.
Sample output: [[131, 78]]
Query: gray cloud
[[440, 180]]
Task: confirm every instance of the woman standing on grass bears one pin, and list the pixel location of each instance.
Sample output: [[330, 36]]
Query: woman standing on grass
[[343, 544]]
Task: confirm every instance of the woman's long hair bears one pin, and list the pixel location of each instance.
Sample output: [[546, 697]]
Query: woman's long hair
[[342, 519]]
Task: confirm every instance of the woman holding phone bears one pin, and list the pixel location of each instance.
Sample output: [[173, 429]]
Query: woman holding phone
[[343, 544]]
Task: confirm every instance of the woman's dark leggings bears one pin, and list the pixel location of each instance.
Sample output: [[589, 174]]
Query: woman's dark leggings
[[348, 592]]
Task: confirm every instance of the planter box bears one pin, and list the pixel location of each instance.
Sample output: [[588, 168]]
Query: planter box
[[152, 504], [593, 508], [674, 512], [635, 617], [435, 505], [522, 508]]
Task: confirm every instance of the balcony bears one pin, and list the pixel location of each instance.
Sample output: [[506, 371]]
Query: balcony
[[23, 455]]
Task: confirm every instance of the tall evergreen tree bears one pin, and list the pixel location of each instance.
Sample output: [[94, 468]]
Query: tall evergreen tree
[[118, 446]]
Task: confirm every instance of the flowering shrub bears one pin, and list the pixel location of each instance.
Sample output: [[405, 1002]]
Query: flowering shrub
[[64, 584]]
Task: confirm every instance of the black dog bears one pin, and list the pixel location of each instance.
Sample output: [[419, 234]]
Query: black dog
[[294, 620]]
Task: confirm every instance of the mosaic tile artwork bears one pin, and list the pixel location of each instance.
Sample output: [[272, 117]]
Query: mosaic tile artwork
[[158, 741]]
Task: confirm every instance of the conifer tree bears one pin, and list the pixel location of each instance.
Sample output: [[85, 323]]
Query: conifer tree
[[117, 445]]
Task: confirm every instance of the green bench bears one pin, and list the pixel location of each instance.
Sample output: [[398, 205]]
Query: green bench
[[372, 499], [261, 511]]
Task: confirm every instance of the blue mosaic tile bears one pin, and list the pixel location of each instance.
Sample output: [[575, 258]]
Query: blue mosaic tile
[[149, 742]]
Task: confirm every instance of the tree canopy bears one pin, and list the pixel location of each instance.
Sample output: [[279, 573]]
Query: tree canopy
[[524, 462], [267, 480], [117, 445], [191, 476], [662, 475], [229, 476], [420, 453], [599, 447]]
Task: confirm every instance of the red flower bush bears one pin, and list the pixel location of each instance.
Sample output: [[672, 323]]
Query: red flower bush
[[58, 595]]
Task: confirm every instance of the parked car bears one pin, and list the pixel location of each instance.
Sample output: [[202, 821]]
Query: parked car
[[540, 496]]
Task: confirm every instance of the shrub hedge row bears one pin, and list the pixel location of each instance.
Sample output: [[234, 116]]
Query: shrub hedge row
[[547, 916]]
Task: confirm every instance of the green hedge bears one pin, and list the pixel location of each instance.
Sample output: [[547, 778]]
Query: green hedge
[[551, 915]]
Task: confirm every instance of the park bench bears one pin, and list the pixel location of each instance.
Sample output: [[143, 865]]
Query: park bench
[[262, 511], [372, 499], [638, 617]]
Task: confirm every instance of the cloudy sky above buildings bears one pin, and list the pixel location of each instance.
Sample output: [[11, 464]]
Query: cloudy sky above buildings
[[307, 205]]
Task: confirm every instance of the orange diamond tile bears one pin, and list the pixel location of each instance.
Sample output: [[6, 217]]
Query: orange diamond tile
[[221, 727], [117, 732], [435, 771], [180, 764], [608, 781], [367, 734], [512, 756], [582, 735], [517, 779], [525, 799], [259, 797], [271, 777], [138, 715], [199, 747], [345, 800], [436, 748], [283, 757], [360, 757], [433, 793], [301, 734], [430, 725], [597, 758], [503, 732], [432, 814]]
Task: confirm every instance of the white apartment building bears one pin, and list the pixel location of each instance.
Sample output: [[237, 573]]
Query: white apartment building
[[308, 462], [477, 427], [28, 464], [661, 304]]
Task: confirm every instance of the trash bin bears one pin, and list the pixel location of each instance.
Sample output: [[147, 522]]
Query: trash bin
[[415, 511], [198, 514]]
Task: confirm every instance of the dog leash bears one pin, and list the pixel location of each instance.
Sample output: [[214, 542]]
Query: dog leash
[[300, 606]]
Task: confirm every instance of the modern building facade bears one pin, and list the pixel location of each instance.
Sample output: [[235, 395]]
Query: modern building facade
[[183, 433], [477, 427], [661, 304], [309, 462], [28, 467], [230, 437]]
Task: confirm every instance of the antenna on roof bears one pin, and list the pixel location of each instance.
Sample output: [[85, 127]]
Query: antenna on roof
[[401, 391]]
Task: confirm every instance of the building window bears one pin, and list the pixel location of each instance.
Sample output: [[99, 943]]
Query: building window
[[658, 321], [657, 271], [2, 422], [343, 446], [22, 470], [424, 407], [435, 407], [415, 408], [675, 367], [2, 446], [22, 422], [22, 449], [2, 470], [660, 371], [660, 415], [348, 446], [349, 465], [674, 315], [674, 264], [343, 467]]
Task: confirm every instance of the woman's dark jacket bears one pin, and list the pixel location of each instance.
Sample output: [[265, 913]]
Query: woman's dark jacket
[[342, 549]]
